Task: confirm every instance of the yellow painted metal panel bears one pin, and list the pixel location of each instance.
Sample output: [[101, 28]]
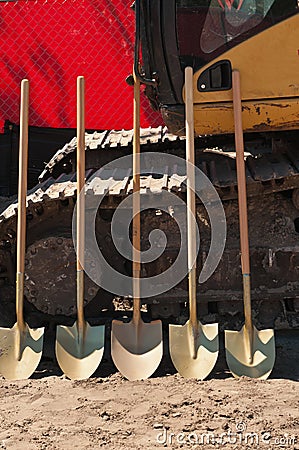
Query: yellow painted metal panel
[[269, 68], [260, 116], [268, 64]]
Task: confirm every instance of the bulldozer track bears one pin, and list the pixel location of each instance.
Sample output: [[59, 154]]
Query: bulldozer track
[[266, 173], [50, 205]]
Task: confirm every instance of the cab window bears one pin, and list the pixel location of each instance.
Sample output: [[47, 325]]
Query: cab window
[[207, 28]]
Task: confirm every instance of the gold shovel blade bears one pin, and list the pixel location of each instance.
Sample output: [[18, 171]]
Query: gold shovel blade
[[20, 351], [136, 349], [263, 353], [79, 355], [194, 355]]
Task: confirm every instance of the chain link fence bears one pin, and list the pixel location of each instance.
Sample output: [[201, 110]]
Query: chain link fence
[[51, 42]]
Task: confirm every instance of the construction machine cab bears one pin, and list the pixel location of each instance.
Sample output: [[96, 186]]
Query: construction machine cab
[[257, 37]]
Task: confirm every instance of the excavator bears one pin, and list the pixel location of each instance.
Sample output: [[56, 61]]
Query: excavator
[[260, 39]]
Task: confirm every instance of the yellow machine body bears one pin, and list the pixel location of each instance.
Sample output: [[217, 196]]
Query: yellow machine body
[[269, 67]]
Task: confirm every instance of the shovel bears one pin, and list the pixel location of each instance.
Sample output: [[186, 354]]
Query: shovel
[[249, 352], [80, 348], [21, 346], [136, 347], [193, 346]]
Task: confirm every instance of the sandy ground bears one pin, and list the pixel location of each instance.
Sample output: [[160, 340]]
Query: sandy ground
[[51, 412]]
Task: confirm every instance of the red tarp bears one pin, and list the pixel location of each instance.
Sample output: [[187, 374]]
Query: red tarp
[[51, 42]]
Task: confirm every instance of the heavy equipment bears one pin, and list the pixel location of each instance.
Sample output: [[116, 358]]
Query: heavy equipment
[[260, 39]]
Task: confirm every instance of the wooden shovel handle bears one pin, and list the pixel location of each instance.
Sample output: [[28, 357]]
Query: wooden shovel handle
[[242, 199], [23, 165], [22, 191], [241, 174], [136, 203], [80, 170], [80, 200], [191, 207]]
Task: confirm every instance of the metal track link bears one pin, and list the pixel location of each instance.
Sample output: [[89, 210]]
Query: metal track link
[[54, 197], [266, 172]]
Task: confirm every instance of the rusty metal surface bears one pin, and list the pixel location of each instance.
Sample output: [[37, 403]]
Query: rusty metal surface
[[50, 274]]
